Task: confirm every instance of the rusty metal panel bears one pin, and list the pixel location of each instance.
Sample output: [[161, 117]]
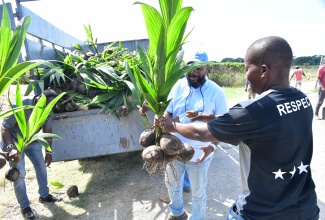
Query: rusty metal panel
[[88, 134]]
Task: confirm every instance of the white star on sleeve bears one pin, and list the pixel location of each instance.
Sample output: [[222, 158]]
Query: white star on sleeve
[[302, 168], [293, 172], [278, 174]]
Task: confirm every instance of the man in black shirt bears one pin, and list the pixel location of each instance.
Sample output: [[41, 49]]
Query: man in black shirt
[[274, 134]]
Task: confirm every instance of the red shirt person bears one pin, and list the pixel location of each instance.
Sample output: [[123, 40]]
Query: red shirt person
[[321, 89], [298, 73]]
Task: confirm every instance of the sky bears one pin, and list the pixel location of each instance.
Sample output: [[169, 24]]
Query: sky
[[222, 28]]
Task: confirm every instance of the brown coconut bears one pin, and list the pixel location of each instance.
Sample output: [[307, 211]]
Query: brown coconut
[[147, 138], [170, 144], [73, 191], [153, 154], [144, 108], [3, 161], [186, 153], [12, 174], [122, 111], [169, 158]]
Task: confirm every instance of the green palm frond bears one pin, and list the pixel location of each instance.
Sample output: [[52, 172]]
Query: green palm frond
[[161, 64]]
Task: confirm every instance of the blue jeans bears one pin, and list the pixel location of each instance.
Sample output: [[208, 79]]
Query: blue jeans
[[34, 153], [198, 175], [234, 215], [186, 181], [321, 97]]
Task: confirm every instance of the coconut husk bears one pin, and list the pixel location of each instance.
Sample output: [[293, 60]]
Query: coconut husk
[[169, 158], [71, 106], [75, 83], [170, 144], [147, 138], [12, 174], [73, 191], [186, 153], [92, 93], [82, 89], [122, 111], [59, 106], [3, 162], [144, 108], [153, 154]]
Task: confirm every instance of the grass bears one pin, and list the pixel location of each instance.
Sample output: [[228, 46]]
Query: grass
[[93, 176]]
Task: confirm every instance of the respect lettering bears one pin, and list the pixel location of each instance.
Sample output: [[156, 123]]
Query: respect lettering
[[293, 106]]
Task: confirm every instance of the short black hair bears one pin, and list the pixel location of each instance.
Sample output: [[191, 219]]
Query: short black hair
[[273, 51]]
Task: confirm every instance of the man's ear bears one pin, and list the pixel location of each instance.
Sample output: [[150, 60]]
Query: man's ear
[[265, 70]]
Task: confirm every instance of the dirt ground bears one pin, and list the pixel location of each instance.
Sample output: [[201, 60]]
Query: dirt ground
[[137, 196]]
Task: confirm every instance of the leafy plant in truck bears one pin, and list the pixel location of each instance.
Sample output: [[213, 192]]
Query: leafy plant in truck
[[103, 75], [161, 64]]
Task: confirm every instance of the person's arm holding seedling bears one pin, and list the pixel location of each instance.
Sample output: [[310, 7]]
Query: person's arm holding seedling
[[12, 154], [170, 124], [48, 154]]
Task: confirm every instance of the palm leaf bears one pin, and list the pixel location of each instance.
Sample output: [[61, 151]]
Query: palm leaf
[[103, 97], [17, 42], [7, 113], [21, 119], [57, 184], [40, 114], [154, 22], [161, 63], [5, 38]]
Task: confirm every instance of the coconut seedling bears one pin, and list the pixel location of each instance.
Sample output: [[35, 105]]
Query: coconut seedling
[[29, 129], [161, 64]]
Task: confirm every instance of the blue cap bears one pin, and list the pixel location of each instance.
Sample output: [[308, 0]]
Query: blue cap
[[199, 56]]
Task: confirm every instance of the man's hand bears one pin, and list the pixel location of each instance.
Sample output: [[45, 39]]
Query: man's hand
[[168, 124], [12, 156], [192, 114], [201, 116], [48, 159], [207, 150]]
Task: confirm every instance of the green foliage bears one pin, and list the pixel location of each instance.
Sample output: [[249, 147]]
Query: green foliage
[[228, 74], [232, 60], [101, 80], [161, 65], [57, 185], [29, 129], [307, 60]]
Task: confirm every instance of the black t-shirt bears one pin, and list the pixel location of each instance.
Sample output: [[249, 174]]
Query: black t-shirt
[[274, 132]]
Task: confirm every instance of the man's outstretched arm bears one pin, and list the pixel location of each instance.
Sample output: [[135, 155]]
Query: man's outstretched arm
[[199, 132]]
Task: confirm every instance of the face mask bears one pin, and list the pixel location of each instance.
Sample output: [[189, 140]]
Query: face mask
[[196, 81]]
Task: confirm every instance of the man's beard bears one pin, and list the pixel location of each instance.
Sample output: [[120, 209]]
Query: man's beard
[[195, 82]]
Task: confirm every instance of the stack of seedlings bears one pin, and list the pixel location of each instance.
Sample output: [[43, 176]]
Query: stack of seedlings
[[163, 149], [93, 78]]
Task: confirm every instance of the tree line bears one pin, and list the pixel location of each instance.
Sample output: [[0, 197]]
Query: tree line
[[298, 61]]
